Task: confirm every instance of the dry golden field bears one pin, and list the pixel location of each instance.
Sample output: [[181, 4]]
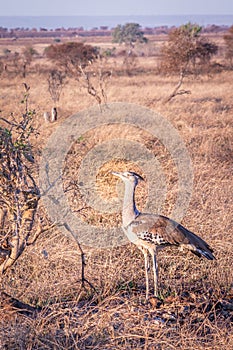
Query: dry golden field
[[195, 309]]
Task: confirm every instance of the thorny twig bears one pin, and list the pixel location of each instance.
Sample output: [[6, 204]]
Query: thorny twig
[[83, 262], [99, 92]]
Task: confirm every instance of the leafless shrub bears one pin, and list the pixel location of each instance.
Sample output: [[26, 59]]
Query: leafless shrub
[[95, 80], [17, 62], [27, 57], [56, 82], [129, 60]]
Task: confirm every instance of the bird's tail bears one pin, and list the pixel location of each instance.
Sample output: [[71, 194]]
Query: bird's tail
[[207, 253], [197, 245]]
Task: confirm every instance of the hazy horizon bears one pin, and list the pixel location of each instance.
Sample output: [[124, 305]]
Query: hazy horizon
[[89, 22], [119, 8]]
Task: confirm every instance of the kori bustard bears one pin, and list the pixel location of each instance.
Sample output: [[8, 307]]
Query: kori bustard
[[151, 232]]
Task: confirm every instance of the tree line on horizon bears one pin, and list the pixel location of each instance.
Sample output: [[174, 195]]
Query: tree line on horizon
[[184, 47], [102, 30]]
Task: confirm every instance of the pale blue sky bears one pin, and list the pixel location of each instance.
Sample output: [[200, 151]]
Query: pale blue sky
[[116, 7]]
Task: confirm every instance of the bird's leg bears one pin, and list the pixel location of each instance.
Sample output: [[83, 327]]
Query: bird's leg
[[155, 271], [147, 267]]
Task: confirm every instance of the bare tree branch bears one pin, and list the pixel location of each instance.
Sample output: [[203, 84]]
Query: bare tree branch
[[176, 91], [83, 263]]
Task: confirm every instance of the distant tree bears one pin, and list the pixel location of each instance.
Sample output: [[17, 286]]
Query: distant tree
[[71, 57], [128, 34], [186, 52], [186, 47], [15, 59], [228, 38]]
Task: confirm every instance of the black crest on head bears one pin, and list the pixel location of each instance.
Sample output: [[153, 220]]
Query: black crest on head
[[137, 175]]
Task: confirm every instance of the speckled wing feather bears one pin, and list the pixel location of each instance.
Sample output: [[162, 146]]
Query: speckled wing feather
[[162, 231]]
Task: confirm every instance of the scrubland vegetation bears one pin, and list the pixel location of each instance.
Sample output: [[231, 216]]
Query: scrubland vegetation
[[49, 298]]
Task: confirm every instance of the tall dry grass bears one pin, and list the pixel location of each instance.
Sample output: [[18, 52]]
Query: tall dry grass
[[195, 310]]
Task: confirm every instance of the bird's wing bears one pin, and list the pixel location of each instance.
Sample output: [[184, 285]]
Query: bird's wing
[[161, 230]]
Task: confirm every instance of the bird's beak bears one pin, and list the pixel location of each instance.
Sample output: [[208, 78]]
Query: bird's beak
[[115, 173]]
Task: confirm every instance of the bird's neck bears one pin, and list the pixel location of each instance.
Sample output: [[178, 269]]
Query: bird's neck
[[129, 212]]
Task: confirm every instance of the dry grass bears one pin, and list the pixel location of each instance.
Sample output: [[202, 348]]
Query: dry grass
[[195, 310]]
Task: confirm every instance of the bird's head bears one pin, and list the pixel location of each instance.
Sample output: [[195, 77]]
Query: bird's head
[[128, 176]]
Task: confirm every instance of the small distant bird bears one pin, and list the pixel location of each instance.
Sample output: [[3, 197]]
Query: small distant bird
[[150, 231]]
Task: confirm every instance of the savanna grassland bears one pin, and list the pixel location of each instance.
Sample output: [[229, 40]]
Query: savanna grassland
[[44, 305]]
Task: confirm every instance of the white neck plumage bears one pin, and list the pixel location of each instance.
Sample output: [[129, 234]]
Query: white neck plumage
[[129, 212]]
